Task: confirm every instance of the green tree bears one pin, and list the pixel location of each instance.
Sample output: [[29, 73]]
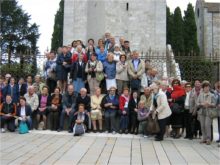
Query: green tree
[[178, 33], [57, 36], [169, 26], [18, 35], [190, 31]]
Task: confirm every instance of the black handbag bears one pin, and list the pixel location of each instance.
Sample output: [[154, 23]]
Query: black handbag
[[176, 108]]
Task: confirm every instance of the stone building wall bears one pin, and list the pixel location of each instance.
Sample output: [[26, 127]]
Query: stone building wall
[[142, 22]]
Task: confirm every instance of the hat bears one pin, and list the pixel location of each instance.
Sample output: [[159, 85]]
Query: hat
[[117, 45], [205, 83]]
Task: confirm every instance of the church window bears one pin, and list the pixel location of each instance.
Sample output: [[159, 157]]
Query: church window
[[127, 6], [198, 12]]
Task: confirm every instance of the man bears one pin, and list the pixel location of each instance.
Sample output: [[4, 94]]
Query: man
[[68, 103], [136, 68], [32, 99], [147, 97], [187, 114], [7, 113], [38, 85], [84, 99], [110, 103]]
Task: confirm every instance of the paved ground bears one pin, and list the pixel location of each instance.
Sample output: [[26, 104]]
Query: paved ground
[[46, 147]]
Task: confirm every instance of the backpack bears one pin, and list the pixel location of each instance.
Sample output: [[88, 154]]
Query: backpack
[[78, 129]]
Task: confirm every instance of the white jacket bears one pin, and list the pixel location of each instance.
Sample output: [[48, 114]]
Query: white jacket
[[163, 107]]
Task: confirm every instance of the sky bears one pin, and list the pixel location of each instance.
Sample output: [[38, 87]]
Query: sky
[[43, 12]]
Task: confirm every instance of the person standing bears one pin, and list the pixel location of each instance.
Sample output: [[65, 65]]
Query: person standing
[[136, 68], [160, 107], [206, 100]]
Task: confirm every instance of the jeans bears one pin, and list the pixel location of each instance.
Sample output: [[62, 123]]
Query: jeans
[[10, 123], [142, 127], [110, 116], [70, 119], [124, 122], [78, 84]]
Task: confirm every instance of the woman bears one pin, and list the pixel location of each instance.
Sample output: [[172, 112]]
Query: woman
[[205, 102], [117, 52], [123, 106], [96, 110], [24, 113], [92, 67], [133, 108], [55, 109], [160, 107], [110, 71], [44, 102], [142, 115], [122, 74], [62, 68], [177, 106]]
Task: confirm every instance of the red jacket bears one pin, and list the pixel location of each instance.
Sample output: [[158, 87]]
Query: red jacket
[[122, 101], [75, 57]]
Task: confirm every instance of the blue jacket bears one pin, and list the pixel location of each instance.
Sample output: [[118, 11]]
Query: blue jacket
[[114, 101], [13, 92], [110, 69], [102, 56]]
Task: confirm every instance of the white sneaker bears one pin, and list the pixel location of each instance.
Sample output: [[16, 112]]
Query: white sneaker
[[3, 130], [113, 132], [145, 136]]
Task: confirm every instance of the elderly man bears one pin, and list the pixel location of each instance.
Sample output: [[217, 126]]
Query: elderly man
[[147, 97], [38, 85], [7, 113], [68, 103], [136, 68], [32, 99]]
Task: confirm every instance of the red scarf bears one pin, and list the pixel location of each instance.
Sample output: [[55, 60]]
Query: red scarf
[[178, 91]]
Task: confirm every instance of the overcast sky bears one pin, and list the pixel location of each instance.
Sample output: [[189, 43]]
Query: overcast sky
[[43, 11]]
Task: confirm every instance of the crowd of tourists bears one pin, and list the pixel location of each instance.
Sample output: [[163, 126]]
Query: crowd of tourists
[[108, 88]]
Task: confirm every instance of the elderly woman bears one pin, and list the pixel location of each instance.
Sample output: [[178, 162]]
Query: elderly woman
[[79, 52], [117, 52], [96, 110], [110, 71], [44, 103], [177, 106], [160, 107], [122, 74], [205, 102], [92, 67]]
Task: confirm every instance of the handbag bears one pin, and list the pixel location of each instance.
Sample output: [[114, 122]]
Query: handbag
[[78, 129], [152, 125], [99, 76], [23, 128], [213, 113], [176, 108]]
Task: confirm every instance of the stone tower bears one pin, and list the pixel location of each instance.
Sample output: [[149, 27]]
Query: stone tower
[[207, 16], [142, 22]]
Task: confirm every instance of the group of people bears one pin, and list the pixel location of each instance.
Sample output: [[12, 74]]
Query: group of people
[[84, 86]]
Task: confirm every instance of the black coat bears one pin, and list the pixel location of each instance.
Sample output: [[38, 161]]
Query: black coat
[[75, 70], [28, 111], [132, 105], [86, 101]]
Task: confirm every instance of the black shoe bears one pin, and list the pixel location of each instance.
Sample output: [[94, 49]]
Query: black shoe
[[70, 131], [218, 141], [158, 139], [59, 130], [94, 131], [120, 131], [126, 131], [186, 137]]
